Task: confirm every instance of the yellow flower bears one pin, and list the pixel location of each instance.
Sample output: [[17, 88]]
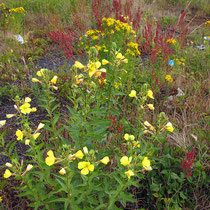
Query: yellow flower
[[207, 23], [125, 160], [150, 94], [147, 123], [27, 141], [126, 136], [33, 109], [27, 100], [1, 199], [171, 41], [169, 78], [40, 126], [19, 134], [86, 167], [25, 108], [129, 173], [41, 72], [9, 165], [29, 167], [10, 115], [50, 160], [120, 56], [36, 135], [169, 127], [94, 37], [62, 171], [79, 65], [7, 173], [136, 144], [54, 80], [105, 160], [104, 61], [2, 122], [150, 106], [146, 164], [79, 154], [35, 80], [133, 93]]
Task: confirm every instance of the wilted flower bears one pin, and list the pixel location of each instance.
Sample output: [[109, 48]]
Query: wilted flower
[[62, 171]]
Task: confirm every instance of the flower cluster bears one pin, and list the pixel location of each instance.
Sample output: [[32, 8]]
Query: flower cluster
[[18, 10], [132, 49], [169, 78], [171, 41], [85, 166], [186, 165]]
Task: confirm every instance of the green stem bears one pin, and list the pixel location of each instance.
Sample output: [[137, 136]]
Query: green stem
[[116, 195]]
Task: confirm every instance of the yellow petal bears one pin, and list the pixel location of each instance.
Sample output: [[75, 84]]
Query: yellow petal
[[85, 171]]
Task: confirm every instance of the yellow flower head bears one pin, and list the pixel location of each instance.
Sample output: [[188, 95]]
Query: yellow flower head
[[104, 61], [125, 160], [7, 173], [25, 108], [169, 78], [126, 136], [2, 122], [54, 80], [62, 171], [150, 94], [50, 160], [19, 134], [27, 100], [105, 160], [1, 199], [146, 164], [86, 167], [169, 127], [133, 93], [79, 154], [79, 65], [150, 106], [129, 173]]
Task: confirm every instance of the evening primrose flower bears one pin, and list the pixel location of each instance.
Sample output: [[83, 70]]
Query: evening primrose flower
[[2, 122], [33, 109], [126, 136], [10, 115], [7, 173], [62, 171], [86, 167], [79, 65], [27, 100], [54, 80], [1, 199], [146, 164], [29, 167], [150, 106], [125, 160], [19, 134], [169, 127], [129, 173], [105, 160], [132, 94], [104, 61], [79, 154], [50, 160], [25, 108], [150, 94]]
